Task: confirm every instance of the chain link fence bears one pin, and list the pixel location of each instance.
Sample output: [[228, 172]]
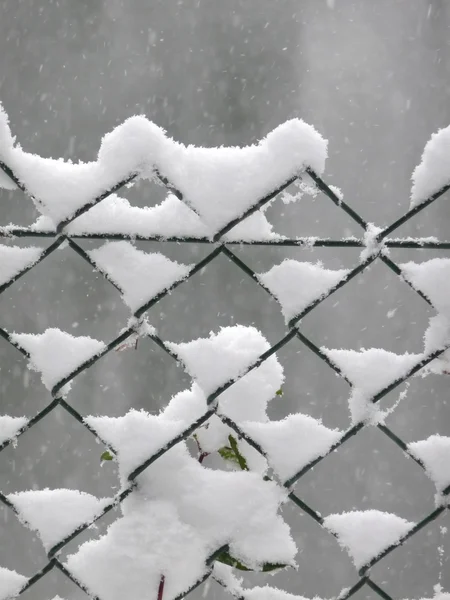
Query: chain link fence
[[380, 241]]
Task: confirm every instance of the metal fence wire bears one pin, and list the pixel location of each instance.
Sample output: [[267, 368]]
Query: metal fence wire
[[219, 246]]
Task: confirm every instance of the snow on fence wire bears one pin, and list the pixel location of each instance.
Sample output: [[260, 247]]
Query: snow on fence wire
[[175, 530]]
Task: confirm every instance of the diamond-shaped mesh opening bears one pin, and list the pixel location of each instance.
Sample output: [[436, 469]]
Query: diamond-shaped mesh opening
[[332, 572], [22, 392], [263, 258], [26, 241], [54, 584], [431, 222], [309, 216], [237, 300], [398, 314], [188, 253], [23, 547], [368, 472], [144, 193], [57, 444], [54, 282], [366, 593], [424, 411], [16, 209], [141, 377], [306, 389], [417, 556]]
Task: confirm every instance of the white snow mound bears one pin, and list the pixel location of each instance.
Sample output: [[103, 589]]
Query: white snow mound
[[55, 514], [292, 443], [366, 534], [219, 183], [10, 582], [55, 353], [9, 427], [136, 436], [222, 357], [171, 218], [139, 275], [431, 277], [433, 172], [297, 284], [271, 593], [434, 452], [14, 259], [369, 372]]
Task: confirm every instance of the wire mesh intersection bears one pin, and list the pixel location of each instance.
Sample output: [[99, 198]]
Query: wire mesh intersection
[[61, 236]]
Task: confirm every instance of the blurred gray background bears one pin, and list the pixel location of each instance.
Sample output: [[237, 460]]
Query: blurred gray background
[[373, 78]]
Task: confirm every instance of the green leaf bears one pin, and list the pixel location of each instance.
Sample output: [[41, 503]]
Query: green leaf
[[279, 392], [232, 454], [227, 454], [106, 456], [226, 558], [272, 567], [241, 460]]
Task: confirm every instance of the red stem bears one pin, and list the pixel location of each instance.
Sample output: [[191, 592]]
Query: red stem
[[202, 457], [161, 588]]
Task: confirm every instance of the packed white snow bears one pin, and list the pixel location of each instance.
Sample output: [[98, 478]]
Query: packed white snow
[[212, 358], [257, 387], [371, 246], [271, 593], [437, 335], [433, 172], [366, 534], [55, 353], [171, 218], [439, 594], [369, 372], [292, 443], [139, 275], [151, 433], [10, 426], [180, 512], [225, 575], [373, 369], [115, 215], [296, 284], [219, 183], [136, 436], [434, 452], [431, 277], [10, 583], [137, 550], [55, 514], [14, 259], [255, 228], [222, 357]]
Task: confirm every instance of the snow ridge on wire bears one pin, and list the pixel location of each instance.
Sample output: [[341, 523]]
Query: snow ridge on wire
[[219, 184]]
